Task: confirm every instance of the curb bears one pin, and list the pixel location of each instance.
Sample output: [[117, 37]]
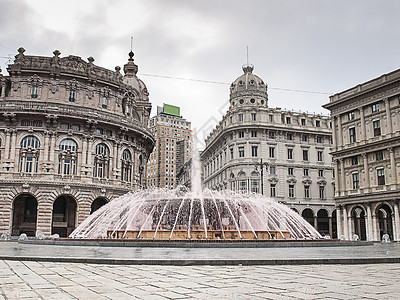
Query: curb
[[208, 262]]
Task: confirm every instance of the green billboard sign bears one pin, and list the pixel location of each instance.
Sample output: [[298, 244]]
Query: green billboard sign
[[172, 110]]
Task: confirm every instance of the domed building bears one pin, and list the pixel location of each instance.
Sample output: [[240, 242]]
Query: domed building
[[279, 153], [73, 136]]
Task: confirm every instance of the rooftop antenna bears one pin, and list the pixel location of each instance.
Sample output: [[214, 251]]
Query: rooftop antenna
[[131, 42], [247, 54]]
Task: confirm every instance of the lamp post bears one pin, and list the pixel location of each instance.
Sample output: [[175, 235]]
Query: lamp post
[[262, 164]]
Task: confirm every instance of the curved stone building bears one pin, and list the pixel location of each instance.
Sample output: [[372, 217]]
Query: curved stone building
[[295, 146], [73, 136]]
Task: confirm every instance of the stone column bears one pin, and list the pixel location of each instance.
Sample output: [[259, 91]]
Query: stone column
[[334, 137], [340, 133], [369, 225], [89, 151], [363, 131], [52, 147], [115, 154], [396, 221], [337, 180], [342, 177], [339, 221], [366, 172], [351, 227], [345, 224], [13, 143], [392, 166], [316, 222], [330, 227], [375, 228], [388, 116], [46, 147], [7, 144]]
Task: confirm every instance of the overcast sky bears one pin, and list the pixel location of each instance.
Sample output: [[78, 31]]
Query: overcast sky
[[316, 46]]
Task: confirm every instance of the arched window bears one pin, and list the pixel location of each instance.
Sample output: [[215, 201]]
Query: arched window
[[68, 156], [255, 182], [126, 169], [101, 161], [29, 155], [242, 182]]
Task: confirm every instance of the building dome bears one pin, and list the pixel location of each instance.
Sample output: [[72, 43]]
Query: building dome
[[248, 90], [130, 79], [248, 81]]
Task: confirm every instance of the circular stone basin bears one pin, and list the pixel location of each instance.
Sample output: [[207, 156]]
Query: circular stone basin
[[162, 214]]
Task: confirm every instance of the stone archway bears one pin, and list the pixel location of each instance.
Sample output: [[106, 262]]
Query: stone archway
[[97, 203], [323, 222], [308, 215], [24, 215], [385, 224], [64, 215], [358, 217]]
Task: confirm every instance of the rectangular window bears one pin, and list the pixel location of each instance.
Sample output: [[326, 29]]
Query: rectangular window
[[354, 160], [243, 185], [253, 116], [352, 134], [240, 116], [375, 107], [64, 126], [290, 171], [291, 190], [303, 122], [356, 181], [377, 127], [271, 118], [304, 138], [351, 115], [104, 102], [253, 133], [71, 97], [305, 155], [381, 176], [241, 134], [321, 192], [271, 152], [288, 120], [318, 123], [306, 191], [254, 150], [231, 151], [320, 173], [273, 190], [320, 139], [75, 127], [34, 92], [290, 137], [255, 186], [272, 135], [379, 155], [306, 172], [290, 153], [241, 151], [319, 155], [272, 170]]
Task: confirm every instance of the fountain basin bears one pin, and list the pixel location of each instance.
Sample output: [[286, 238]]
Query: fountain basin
[[180, 214]]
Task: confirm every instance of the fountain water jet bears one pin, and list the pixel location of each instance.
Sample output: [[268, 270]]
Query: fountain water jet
[[196, 214]]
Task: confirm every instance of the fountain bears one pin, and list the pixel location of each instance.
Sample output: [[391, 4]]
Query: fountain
[[196, 214]]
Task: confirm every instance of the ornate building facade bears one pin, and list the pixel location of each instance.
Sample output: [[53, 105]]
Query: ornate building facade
[[294, 146], [366, 153], [172, 149], [73, 136]]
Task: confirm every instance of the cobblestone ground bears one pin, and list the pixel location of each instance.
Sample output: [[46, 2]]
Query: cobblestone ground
[[49, 280]]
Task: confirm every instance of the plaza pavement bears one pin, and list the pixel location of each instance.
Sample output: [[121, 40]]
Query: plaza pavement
[[54, 280], [29, 271]]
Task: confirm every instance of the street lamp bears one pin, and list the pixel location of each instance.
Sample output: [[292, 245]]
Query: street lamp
[[262, 164]]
